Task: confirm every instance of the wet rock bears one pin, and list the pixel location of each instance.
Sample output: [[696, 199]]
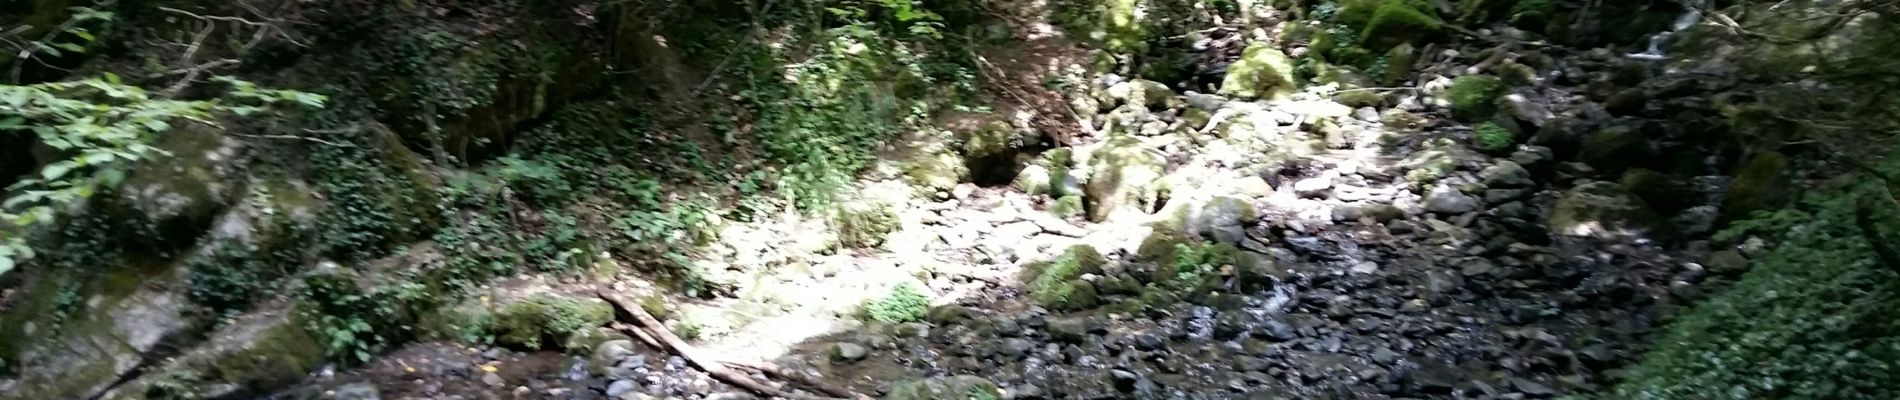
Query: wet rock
[[1277, 331], [1626, 102], [1661, 191], [848, 352], [1249, 363], [1444, 199], [1069, 330], [948, 315], [1615, 148], [493, 380], [1015, 347], [356, 391], [1506, 174], [1150, 342], [1758, 185], [624, 388], [1380, 213], [608, 354], [1256, 272]]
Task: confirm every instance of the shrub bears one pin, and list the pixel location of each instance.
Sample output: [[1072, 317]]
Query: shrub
[[903, 304]]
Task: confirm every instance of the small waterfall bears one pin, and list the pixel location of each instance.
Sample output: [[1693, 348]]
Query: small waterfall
[[1689, 17]]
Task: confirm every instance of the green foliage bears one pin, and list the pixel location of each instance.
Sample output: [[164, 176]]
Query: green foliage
[[356, 323], [1491, 137], [903, 304], [1055, 284], [1813, 319], [103, 125], [1067, 206], [1474, 97], [1195, 261]]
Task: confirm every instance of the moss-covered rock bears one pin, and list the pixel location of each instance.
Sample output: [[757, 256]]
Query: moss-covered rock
[[1474, 97], [1663, 192], [1398, 64], [1261, 72], [1144, 93], [547, 320], [1602, 210], [1033, 180], [168, 201], [1395, 22], [1123, 178], [254, 354], [73, 334], [1058, 285], [935, 171], [990, 136], [1760, 183], [864, 224], [1615, 148], [1067, 206], [960, 387]]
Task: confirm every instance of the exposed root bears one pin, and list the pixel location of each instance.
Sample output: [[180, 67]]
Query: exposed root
[[649, 330]]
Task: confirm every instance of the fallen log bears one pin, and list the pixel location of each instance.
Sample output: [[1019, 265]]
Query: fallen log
[[648, 329]]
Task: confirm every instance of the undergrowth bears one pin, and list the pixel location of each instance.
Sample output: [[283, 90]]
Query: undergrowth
[[1813, 319]]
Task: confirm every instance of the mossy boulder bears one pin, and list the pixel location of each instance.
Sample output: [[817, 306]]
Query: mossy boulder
[[1602, 210], [1033, 180], [167, 201], [546, 320], [1144, 93], [1760, 183], [1261, 72], [73, 334], [960, 387], [990, 136], [935, 171], [1615, 148], [1395, 22], [1123, 179], [864, 224], [1663, 192], [253, 354], [1474, 97], [1058, 285], [1398, 63]]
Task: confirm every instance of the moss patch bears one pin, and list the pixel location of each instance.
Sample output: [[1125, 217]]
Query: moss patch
[[1261, 72], [548, 320], [1474, 97]]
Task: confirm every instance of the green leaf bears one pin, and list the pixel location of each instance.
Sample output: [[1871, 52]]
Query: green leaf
[[72, 47], [83, 34], [56, 170], [112, 78]]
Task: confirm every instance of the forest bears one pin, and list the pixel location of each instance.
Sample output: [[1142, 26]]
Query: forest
[[949, 199]]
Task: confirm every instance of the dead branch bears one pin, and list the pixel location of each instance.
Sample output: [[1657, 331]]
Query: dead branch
[[649, 329], [290, 137], [191, 73]]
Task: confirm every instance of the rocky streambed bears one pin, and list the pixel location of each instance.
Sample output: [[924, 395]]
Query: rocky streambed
[[1376, 250]]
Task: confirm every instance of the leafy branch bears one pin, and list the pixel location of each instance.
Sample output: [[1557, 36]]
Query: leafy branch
[[102, 125]]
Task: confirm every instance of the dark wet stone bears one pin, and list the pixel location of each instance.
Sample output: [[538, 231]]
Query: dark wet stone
[[1068, 330], [1149, 342], [1277, 331]]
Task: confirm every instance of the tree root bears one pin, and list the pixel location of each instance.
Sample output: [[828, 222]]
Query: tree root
[[649, 330]]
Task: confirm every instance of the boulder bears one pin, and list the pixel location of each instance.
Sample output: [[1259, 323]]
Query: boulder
[[1123, 178], [1506, 174], [1033, 180], [1145, 93], [1615, 148], [1663, 192], [1601, 210], [1445, 199], [1261, 72], [960, 387]]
